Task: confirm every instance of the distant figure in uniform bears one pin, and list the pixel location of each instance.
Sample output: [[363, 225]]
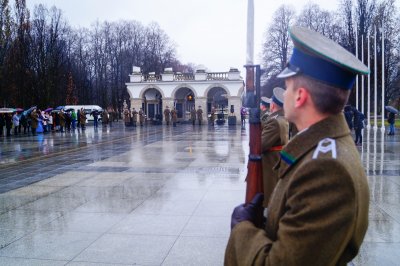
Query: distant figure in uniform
[[141, 117], [274, 135], [105, 118], [127, 117], [318, 212], [264, 108], [174, 115], [193, 115], [167, 115], [199, 115], [134, 116], [243, 113], [212, 116]]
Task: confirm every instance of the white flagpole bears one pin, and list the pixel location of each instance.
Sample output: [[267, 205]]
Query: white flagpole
[[250, 32], [362, 76], [357, 75], [375, 85], [383, 80], [369, 90]]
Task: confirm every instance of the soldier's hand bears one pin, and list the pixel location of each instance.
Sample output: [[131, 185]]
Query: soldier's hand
[[252, 212]]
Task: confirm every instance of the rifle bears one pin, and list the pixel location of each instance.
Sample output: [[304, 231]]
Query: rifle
[[252, 100]]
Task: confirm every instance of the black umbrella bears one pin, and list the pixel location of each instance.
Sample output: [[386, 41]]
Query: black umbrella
[[392, 109]]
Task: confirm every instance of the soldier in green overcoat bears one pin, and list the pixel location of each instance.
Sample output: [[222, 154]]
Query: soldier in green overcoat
[[193, 115], [274, 135], [318, 212]]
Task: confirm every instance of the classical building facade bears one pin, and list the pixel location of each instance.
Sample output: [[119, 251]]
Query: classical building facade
[[153, 93]]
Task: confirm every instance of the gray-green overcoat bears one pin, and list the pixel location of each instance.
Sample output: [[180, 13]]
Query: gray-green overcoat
[[318, 212], [274, 134]]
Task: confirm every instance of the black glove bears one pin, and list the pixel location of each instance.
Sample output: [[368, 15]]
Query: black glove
[[252, 212]]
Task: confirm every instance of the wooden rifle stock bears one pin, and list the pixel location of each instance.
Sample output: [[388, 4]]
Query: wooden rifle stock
[[254, 167]]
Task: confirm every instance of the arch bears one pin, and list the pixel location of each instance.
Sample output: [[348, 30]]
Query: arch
[[241, 91], [215, 85], [152, 102], [184, 100], [181, 87], [151, 86], [217, 98]]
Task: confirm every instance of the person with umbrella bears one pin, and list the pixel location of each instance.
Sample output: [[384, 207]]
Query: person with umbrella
[[95, 115], [34, 121], [15, 119], [391, 120]]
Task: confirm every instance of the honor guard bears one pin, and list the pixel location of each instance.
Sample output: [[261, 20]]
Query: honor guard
[[274, 135], [318, 211]]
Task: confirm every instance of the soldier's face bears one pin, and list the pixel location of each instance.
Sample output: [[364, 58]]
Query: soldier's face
[[289, 100]]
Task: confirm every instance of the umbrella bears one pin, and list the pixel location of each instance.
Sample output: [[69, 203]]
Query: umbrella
[[5, 110], [391, 109], [59, 108], [69, 109], [48, 110], [19, 110], [27, 112]]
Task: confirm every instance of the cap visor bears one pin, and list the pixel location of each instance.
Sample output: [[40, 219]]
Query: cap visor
[[287, 72]]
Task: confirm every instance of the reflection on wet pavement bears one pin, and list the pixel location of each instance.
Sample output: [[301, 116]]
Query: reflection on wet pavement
[[153, 196]]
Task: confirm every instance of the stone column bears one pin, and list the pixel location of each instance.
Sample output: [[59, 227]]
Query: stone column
[[201, 101], [136, 103], [236, 101]]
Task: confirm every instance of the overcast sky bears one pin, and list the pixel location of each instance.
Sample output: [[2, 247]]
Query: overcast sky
[[207, 32]]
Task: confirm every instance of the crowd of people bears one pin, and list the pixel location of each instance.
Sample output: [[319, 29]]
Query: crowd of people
[[37, 121]]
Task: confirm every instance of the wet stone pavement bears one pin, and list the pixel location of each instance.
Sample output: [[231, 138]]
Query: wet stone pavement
[[155, 195]]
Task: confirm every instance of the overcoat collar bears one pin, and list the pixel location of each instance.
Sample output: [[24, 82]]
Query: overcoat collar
[[334, 126]]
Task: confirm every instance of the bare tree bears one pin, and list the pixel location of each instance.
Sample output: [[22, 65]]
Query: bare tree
[[277, 47]]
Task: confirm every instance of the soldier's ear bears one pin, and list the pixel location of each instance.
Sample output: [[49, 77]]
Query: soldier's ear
[[301, 96]]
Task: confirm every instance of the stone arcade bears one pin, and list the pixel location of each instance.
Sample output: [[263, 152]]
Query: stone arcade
[[184, 91]]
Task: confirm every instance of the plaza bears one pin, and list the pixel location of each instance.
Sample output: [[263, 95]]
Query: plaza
[[153, 195]]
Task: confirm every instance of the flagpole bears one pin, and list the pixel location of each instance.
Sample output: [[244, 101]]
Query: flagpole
[[383, 80], [362, 76], [357, 75], [369, 88], [375, 85]]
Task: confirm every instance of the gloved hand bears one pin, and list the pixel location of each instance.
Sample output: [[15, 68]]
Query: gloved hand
[[252, 212]]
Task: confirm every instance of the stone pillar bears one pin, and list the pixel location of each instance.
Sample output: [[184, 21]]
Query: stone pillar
[[167, 102], [236, 101], [201, 101], [136, 103]]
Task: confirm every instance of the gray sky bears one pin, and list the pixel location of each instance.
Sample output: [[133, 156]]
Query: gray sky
[[207, 32]]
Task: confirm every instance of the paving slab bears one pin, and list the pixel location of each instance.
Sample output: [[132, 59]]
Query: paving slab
[[153, 195]]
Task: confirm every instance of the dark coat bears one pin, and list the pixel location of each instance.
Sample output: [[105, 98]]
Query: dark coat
[[34, 119], [358, 120], [167, 114], [199, 114], [318, 212], [391, 118]]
